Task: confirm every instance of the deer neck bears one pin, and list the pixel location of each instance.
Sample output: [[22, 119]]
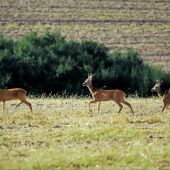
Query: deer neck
[[91, 88], [160, 93]]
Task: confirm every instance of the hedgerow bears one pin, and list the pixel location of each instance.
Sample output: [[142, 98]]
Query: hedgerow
[[50, 64]]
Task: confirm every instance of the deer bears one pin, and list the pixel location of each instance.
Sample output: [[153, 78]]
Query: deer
[[14, 94], [164, 96], [105, 95]]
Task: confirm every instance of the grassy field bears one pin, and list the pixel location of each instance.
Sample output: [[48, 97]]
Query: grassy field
[[62, 134], [143, 25]]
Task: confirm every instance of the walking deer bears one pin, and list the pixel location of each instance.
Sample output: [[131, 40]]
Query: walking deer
[[105, 95], [164, 96], [14, 94]]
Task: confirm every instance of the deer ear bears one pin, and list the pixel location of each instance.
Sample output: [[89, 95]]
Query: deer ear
[[161, 81], [93, 75]]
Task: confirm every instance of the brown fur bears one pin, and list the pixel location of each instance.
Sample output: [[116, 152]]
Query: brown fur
[[164, 96], [14, 94], [105, 95]]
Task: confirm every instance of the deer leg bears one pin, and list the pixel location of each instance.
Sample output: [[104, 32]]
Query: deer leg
[[18, 105], [90, 103], [27, 103], [163, 108], [3, 106], [119, 106], [98, 107], [128, 104], [167, 106]]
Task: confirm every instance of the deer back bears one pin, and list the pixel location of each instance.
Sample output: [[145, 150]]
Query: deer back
[[12, 94], [106, 95]]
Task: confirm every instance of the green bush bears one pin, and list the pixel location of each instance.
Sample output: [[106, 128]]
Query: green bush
[[50, 64]]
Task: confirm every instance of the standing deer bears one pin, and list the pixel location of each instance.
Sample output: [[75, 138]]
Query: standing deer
[[14, 94], [164, 96], [105, 95]]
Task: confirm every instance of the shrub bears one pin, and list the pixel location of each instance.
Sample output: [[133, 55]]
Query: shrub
[[48, 64]]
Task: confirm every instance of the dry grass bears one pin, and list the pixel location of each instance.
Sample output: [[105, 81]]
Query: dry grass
[[62, 134]]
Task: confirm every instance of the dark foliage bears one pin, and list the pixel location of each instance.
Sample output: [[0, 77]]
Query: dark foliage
[[50, 64]]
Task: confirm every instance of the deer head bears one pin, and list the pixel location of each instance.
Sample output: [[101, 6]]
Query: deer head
[[157, 86], [88, 80]]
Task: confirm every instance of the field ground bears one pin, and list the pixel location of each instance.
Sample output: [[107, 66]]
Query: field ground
[[62, 134], [143, 25]]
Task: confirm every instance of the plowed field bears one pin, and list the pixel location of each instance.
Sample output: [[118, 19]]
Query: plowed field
[[142, 25]]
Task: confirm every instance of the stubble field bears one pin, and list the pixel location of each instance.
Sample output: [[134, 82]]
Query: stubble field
[[62, 134]]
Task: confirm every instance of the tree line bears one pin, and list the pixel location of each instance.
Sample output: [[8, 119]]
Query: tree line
[[50, 64]]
